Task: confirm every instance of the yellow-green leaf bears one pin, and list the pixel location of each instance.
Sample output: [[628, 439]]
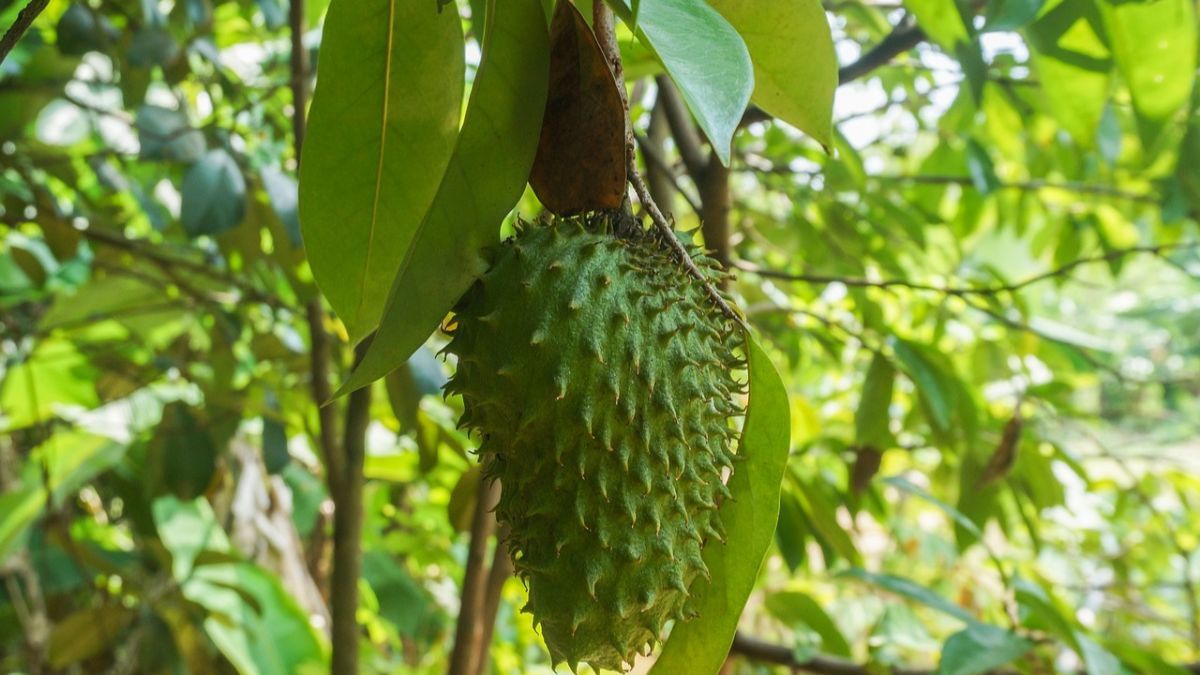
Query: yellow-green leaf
[[795, 67]]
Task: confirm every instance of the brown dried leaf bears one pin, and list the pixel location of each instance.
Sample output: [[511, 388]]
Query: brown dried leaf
[[580, 163]]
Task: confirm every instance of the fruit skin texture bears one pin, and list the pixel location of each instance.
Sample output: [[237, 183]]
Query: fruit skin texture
[[599, 377]]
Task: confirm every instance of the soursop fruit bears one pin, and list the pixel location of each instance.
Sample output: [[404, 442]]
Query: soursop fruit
[[600, 378]]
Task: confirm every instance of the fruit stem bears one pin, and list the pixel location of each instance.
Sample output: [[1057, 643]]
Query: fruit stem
[[602, 24]]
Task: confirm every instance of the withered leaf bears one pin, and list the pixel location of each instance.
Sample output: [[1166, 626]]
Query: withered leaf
[[580, 162]]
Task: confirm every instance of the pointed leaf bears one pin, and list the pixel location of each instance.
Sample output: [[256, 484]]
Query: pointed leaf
[[706, 59], [700, 646], [484, 179], [795, 67], [384, 117]]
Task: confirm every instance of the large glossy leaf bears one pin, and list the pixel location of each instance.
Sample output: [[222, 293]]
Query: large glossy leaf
[[1155, 48], [1073, 64], [700, 646], [795, 67], [484, 179], [384, 117], [706, 59]]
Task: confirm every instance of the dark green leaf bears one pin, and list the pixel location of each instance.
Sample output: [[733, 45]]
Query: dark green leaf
[[214, 195]]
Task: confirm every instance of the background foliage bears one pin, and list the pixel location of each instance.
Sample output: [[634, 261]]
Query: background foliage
[[983, 300]]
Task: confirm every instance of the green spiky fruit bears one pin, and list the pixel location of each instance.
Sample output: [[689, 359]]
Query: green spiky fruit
[[599, 377]]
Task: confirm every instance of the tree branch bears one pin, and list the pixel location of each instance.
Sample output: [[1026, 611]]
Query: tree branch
[[906, 35], [469, 631], [24, 20], [502, 569], [888, 284], [347, 530], [766, 652], [679, 120]]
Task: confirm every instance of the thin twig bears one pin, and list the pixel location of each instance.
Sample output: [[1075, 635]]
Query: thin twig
[[17, 30], [888, 284]]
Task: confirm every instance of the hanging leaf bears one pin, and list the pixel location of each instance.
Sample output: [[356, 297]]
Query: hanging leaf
[[795, 66], [689, 37], [580, 161], [701, 645], [484, 179], [384, 118], [872, 419]]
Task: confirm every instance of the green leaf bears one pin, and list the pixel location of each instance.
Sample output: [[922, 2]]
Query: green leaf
[[384, 118], [700, 646], [401, 600], [800, 609], [55, 374], [87, 633], [705, 58], [1155, 48], [795, 67], [871, 419], [915, 592], [214, 195], [981, 169], [1074, 65], [981, 648], [933, 384], [942, 20], [484, 179], [252, 620]]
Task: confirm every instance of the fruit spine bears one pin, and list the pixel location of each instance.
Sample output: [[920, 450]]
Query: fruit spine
[[599, 377]]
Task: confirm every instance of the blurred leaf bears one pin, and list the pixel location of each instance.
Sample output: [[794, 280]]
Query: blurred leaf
[[1154, 44], [933, 382], [580, 160], [379, 138], [54, 374], [183, 452], [214, 195], [282, 191], [87, 633], [461, 507], [915, 592], [1008, 15], [981, 648], [681, 30], [264, 630], [979, 165], [1073, 63], [484, 179], [795, 67], [81, 30], [401, 601], [799, 609], [275, 445], [700, 646], [152, 46], [872, 419], [942, 20]]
